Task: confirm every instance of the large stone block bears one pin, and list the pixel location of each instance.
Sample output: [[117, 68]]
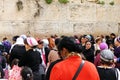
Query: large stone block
[[83, 28], [106, 28], [76, 17], [13, 27], [82, 13], [44, 28]]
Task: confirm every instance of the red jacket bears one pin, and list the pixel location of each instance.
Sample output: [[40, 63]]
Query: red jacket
[[66, 69]]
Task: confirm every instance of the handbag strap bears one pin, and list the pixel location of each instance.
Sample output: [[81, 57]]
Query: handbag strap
[[116, 72], [79, 69]]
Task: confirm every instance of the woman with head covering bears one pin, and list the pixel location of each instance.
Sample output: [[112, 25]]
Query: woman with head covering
[[103, 46], [18, 50], [7, 44], [32, 57], [66, 69], [53, 58], [88, 52], [82, 41], [53, 54], [105, 70], [97, 45]]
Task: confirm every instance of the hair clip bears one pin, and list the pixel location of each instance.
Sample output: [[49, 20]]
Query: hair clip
[[28, 75]]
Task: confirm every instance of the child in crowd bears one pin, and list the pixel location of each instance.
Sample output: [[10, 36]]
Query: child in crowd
[[15, 71], [26, 73]]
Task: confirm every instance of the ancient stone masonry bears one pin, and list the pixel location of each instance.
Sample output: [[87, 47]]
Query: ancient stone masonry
[[36, 17], [119, 29], [19, 5]]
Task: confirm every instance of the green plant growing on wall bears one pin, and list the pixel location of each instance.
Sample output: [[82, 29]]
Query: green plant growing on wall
[[19, 5], [48, 1], [100, 2], [63, 1], [112, 3]]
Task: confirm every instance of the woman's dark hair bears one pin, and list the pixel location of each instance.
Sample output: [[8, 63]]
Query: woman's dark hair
[[15, 38], [70, 44], [113, 34], [108, 40], [57, 41], [92, 39], [83, 36], [5, 38], [98, 39], [106, 63], [40, 41], [87, 42], [25, 41], [14, 62], [26, 73], [75, 36], [97, 52]]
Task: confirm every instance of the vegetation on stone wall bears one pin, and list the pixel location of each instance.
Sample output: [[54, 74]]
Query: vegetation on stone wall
[[63, 1], [112, 3], [100, 2], [19, 5], [48, 1]]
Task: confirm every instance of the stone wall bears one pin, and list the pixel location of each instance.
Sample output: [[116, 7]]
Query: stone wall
[[38, 18]]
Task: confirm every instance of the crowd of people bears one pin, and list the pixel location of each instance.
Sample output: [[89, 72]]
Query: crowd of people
[[75, 57]]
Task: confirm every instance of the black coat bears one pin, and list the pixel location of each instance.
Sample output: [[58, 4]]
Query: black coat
[[107, 73], [47, 77], [17, 52], [89, 54], [2, 65], [31, 59], [47, 50]]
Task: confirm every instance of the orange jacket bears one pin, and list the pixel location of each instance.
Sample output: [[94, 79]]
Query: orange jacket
[[66, 69]]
